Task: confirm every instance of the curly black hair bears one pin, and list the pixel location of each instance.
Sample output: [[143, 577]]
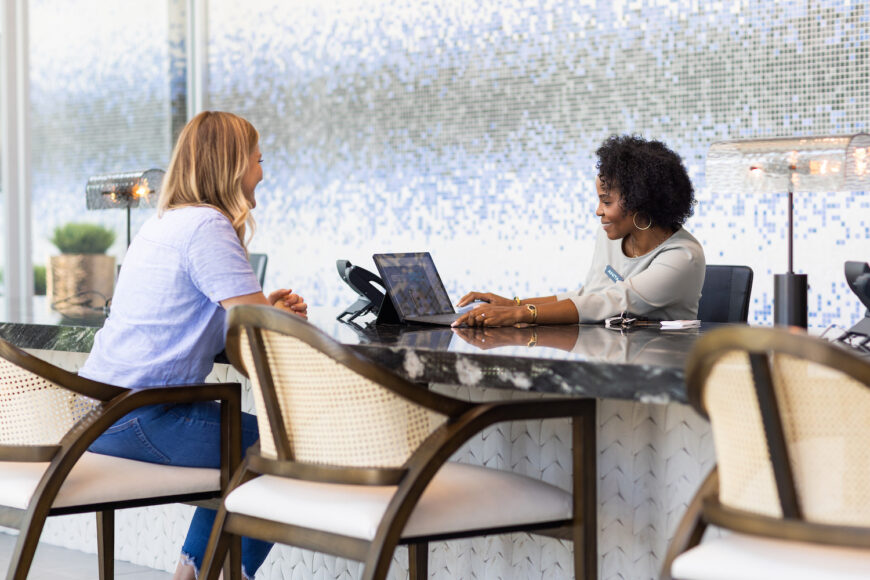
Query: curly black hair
[[649, 177]]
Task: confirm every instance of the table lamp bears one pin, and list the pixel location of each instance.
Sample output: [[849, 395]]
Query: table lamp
[[124, 190], [792, 165]]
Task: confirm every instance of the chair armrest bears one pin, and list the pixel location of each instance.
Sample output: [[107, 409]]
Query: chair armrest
[[692, 525], [77, 441], [181, 394], [527, 409], [445, 440], [129, 400], [66, 379], [116, 401], [89, 428]]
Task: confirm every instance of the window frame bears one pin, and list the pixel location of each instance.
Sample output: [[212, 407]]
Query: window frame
[[15, 154]]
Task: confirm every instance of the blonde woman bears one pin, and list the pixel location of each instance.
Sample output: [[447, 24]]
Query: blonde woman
[[184, 269]]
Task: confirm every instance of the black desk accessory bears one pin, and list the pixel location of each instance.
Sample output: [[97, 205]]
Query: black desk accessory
[[388, 313], [420, 300], [365, 284], [858, 278], [435, 338]]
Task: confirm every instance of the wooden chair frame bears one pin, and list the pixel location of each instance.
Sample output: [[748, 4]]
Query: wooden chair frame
[[464, 419], [705, 508], [115, 403]]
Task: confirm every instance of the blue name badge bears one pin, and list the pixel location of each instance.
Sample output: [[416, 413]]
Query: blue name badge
[[613, 274]]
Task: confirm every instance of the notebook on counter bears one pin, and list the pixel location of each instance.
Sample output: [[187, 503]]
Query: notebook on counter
[[415, 288]]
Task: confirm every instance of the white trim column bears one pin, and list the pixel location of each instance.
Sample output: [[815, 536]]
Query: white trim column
[[197, 57], [15, 127]]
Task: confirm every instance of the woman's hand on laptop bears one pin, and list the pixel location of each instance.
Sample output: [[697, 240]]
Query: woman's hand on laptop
[[485, 297], [490, 315]]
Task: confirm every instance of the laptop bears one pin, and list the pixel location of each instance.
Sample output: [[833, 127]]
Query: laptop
[[416, 290]]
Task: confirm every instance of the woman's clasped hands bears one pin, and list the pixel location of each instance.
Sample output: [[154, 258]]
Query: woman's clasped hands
[[496, 311], [284, 299]]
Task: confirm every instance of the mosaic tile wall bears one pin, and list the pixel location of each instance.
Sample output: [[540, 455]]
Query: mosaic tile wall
[[100, 79], [468, 129]]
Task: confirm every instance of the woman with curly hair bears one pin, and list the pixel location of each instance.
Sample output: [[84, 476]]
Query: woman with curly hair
[[645, 263]]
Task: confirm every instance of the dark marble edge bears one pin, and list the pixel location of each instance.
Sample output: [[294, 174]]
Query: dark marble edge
[[58, 337], [600, 379], [49, 336]]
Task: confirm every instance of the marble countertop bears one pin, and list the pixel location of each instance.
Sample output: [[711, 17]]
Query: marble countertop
[[644, 364], [45, 328], [64, 337]]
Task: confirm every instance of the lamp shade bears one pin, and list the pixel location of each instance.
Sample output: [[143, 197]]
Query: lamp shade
[[819, 164], [124, 190]]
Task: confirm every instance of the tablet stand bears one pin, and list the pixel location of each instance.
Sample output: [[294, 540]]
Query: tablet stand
[[388, 314]]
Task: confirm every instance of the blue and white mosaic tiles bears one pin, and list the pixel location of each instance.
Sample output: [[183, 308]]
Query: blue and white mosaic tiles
[[466, 128], [469, 129], [100, 103]]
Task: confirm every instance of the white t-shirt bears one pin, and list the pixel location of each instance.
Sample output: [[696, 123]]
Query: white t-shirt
[[166, 323], [664, 284]]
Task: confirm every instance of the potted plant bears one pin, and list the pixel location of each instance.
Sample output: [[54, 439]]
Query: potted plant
[[81, 280]]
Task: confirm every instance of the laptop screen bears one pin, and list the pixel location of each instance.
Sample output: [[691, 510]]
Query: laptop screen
[[413, 283]]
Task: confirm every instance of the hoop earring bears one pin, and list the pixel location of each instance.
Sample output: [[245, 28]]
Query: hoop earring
[[634, 221]]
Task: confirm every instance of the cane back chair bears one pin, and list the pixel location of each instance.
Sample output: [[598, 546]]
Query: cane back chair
[[353, 458], [48, 419], [789, 416]]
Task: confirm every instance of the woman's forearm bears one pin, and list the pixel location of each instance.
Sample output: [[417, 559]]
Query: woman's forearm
[[538, 300], [552, 312]]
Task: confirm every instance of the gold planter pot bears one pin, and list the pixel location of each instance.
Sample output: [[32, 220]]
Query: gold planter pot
[[79, 285]]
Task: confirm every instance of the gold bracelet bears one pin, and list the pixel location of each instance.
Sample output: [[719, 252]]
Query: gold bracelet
[[534, 340], [534, 310], [518, 301]]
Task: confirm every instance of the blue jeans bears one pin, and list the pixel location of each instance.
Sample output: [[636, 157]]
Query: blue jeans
[[188, 436]]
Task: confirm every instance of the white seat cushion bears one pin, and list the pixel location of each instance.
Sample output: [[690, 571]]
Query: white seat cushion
[[102, 478], [460, 497], [742, 557]]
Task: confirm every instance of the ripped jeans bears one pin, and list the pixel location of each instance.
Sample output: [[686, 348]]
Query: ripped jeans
[[185, 435]]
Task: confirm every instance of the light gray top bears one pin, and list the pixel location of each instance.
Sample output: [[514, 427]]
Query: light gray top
[[664, 284]]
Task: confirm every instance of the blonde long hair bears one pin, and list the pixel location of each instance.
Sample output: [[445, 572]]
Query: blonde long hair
[[209, 161]]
